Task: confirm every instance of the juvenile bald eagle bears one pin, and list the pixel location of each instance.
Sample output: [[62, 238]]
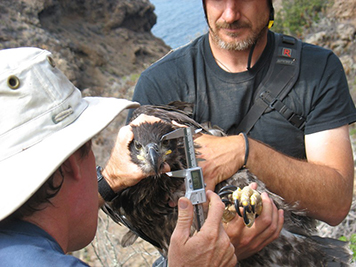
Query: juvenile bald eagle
[[149, 209]]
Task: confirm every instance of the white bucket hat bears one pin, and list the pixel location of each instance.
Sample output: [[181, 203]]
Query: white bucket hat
[[43, 120]]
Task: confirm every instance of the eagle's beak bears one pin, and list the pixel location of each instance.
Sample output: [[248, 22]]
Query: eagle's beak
[[153, 155]]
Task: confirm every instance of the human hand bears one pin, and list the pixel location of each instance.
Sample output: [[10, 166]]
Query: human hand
[[266, 228], [208, 247], [120, 172], [222, 157]]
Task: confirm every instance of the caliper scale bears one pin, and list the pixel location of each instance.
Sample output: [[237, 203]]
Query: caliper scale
[[193, 175]]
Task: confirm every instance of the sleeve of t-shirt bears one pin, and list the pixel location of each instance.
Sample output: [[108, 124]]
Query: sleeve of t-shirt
[[148, 91], [161, 84], [332, 105], [155, 88]]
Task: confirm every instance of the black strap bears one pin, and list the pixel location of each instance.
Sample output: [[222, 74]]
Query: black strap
[[104, 188], [279, 80]]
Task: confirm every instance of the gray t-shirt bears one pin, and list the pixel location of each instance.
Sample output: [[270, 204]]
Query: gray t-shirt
[[190, 74]]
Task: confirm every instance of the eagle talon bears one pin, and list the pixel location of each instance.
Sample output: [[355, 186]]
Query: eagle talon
[[237, 204], [224, 193], [247, 198], [228, 188], [246, 220], [226, 201]]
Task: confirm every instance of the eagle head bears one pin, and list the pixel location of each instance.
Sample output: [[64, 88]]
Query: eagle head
[[149, 152]]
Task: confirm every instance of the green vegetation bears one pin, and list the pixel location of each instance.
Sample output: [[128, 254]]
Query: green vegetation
[[352, 241], [297, 15]]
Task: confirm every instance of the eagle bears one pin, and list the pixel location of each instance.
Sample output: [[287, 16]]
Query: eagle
[[149, 208]]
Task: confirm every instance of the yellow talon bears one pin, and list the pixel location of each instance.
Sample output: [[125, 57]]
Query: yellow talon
[[249, 199], [235, 196]]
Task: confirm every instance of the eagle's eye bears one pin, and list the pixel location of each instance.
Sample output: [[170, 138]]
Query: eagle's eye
[[138, 146], [165, 143]]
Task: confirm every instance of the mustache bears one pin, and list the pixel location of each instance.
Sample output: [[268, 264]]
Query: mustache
[[232, 26]]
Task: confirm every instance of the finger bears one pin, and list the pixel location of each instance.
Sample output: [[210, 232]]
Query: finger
[[229, 258], [273, 214], [185, 219], [276, 234], [267, 211], [235, 228], [178, 124], [253, 186], [264, 221], [144, 118], [267, 203], [276, 224], [166, 167], [125, 135], [233, 259], [216, 208]]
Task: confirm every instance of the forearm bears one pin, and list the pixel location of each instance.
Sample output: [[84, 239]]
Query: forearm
[[324, 192]]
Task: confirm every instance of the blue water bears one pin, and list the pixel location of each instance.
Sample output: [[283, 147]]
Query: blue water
[[179, 21]]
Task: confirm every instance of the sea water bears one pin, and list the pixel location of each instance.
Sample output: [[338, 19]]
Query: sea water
[[179, 21]]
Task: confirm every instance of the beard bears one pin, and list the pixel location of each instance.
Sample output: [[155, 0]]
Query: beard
[[237, 45]]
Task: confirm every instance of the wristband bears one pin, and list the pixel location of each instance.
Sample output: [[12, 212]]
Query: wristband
[[247, 149], [104, 188]]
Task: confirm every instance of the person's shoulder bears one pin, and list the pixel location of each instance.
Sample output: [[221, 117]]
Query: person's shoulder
[[180, 54], [322, 56], [25, 244], [33, 255], [308, 48], [313, 48]]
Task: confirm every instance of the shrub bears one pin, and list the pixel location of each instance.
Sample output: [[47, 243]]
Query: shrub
[[297, 15]]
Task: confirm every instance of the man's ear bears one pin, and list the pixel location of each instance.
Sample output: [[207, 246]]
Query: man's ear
[[71, 166]]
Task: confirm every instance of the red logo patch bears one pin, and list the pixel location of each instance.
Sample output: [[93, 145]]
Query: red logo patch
[[287, 52]]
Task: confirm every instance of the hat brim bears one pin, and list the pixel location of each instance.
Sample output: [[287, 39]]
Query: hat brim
[[23, 173]]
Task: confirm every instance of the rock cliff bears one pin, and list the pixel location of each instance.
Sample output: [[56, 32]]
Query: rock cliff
[[337, 31], [95, 42]]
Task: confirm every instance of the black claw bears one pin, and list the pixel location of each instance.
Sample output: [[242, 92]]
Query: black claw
[[224, 193], [226, 201], [237, 208], [246, 220], [228, 187]]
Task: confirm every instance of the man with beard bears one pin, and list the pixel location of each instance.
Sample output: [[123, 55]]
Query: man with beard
[[219, 73]]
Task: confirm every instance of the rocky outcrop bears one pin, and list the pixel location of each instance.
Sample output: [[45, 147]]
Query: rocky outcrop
[[95, 42], [337, 31]]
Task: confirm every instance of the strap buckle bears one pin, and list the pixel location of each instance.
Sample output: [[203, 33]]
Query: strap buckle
[[297, 120], [275, 104]]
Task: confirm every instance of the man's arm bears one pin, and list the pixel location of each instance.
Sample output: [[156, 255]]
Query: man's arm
[[333, 152], [323, 185]]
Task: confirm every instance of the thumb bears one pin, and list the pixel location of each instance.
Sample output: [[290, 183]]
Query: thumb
[[125, 135], [185, 219]]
